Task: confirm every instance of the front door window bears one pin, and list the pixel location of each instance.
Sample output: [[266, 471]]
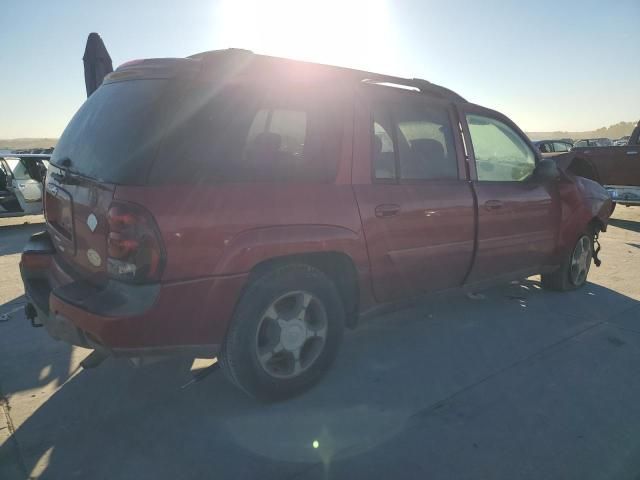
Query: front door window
[[501, 154]]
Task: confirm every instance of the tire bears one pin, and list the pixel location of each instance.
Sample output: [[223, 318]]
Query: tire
[[565, 278], [285, 333]]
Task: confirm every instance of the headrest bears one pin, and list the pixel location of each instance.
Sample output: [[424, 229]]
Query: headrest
[[267, 141], [429, 147]]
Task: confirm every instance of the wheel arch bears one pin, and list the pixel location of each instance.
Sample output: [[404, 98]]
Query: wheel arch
[[338, 252], [338, 266]]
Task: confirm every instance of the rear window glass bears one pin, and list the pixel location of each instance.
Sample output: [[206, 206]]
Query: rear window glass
[[241, 134], [114, 135]]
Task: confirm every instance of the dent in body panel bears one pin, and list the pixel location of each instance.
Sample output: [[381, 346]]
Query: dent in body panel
[[253, 246], [582, 200]]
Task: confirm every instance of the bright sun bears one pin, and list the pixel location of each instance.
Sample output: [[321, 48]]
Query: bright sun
[[354, 33]]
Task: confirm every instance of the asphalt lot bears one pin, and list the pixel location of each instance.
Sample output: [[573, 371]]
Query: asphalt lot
[[520, 384]]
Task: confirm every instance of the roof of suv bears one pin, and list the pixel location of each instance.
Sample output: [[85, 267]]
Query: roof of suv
[[241, 59]]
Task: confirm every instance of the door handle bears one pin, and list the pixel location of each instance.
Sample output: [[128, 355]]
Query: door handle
[[632, 152], [387, 210], [492, 204]]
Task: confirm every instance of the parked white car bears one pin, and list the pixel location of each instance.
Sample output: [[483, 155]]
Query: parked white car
[[21, 184]]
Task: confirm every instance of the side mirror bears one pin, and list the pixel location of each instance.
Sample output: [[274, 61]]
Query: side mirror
[[547, 169]]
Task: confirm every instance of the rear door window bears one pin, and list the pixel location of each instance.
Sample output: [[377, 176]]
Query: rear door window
[[423, 144]]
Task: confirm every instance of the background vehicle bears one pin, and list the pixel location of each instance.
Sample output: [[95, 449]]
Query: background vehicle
[[305, 197], [617, 168], [622, 141], [593, 142], [21, 180], [551, 148]]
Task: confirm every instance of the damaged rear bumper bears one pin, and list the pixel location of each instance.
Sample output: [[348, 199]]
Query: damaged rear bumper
[[122, 319]]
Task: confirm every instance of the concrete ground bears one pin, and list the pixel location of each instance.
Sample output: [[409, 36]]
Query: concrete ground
[[521, 384]]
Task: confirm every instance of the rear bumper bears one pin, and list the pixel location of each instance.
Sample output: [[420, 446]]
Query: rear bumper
[[624, 195], [188, 317]]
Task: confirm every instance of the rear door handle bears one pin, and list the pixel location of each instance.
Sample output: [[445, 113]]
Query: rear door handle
[[632, 152], [492, 204], [387, 210]]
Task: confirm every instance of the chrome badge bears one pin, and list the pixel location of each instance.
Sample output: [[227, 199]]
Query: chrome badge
[[92, 222], [94, 257]]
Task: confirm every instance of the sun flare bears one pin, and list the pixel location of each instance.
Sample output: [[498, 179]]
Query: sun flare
[[355, 33]]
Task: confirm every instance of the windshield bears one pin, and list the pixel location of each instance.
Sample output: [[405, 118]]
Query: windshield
[[115, 134]]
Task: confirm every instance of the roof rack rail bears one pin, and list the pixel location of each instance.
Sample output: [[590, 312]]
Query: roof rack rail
[[223, 51], [423, 86]]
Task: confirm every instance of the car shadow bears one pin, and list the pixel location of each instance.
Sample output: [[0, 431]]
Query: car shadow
[[38, 362], [117, 422], [13, 237], [631, 225]]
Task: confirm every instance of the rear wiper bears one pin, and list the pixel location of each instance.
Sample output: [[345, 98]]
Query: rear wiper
[[66, 175]]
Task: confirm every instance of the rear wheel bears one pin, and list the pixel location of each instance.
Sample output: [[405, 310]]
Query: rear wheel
[[573, 272], [285, 333]]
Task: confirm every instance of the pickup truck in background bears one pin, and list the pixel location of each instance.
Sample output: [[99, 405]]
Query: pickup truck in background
[[617, 168], [553, 148]]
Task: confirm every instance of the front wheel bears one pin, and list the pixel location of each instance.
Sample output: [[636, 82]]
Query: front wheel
[[573, 272], [285, 333]]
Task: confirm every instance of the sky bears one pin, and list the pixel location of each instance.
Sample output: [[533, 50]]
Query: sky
[[569, 65]]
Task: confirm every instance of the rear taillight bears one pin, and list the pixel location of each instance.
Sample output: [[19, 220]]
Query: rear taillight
[[134, 247]]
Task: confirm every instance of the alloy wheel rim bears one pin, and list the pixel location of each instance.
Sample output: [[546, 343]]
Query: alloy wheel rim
[[580, 261], [291, 334]]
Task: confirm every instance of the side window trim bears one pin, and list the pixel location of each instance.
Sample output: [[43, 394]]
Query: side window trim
[[396, 149], [385, 111]]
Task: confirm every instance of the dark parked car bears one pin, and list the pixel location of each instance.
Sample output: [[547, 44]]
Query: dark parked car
[[250, 207], [552, 148], [593, 142], [622, 141]]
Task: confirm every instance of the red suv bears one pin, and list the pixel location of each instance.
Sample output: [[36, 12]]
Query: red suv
[[249, 207]]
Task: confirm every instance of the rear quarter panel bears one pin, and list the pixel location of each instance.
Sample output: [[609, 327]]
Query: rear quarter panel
[[228, 229]]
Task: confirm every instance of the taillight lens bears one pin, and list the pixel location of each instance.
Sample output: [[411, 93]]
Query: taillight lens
[[134, 246]]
